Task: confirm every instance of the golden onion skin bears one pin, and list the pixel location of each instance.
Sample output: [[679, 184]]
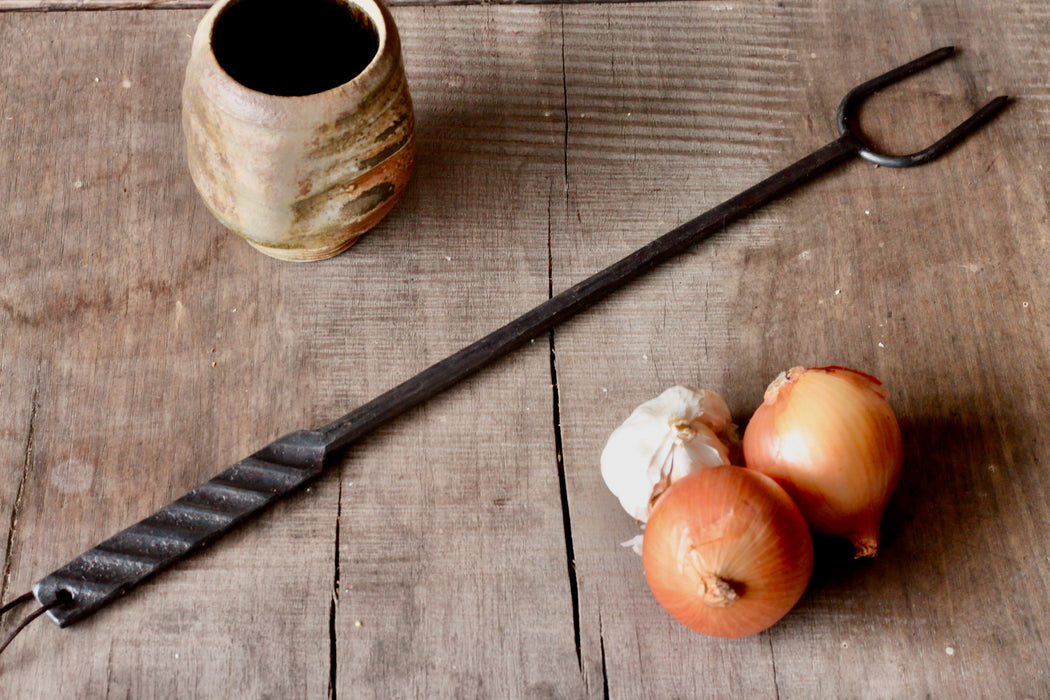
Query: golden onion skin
[[726, 552], [829, 436]]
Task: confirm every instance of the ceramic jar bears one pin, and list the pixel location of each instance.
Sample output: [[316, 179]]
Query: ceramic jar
[[299, 128]]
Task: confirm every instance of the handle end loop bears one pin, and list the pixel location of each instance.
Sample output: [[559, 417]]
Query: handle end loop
[[20, 600]]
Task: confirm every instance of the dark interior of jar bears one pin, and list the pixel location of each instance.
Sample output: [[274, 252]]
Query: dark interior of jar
[[293, 47]]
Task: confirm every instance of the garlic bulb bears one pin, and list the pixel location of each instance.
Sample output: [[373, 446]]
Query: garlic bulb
[[678, 432]]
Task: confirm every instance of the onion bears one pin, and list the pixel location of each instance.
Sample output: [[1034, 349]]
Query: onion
[[830, 438], [726, 552]]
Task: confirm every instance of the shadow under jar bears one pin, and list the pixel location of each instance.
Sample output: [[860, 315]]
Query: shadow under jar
[[299, 128]]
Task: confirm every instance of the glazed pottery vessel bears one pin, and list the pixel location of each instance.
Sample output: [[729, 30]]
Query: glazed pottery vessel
[[299, 128]]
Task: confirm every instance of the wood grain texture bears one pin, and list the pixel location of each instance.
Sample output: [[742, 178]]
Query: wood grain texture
[[434, 561], [917, 276], [118, 293], [94, 5], [454, 579], [445, 513], [91, 5], [672, 121]]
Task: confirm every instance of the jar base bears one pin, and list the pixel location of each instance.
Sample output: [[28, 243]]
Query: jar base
[[304, 254], [350, 234]]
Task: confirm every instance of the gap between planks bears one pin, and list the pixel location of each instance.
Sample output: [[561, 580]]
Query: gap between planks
[[16, 508]]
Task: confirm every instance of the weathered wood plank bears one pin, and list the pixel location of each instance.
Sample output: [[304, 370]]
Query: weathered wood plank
[[442, 535], [19, 396], [119, 292], [93, 5], [465, 532], [454, 580], [75, 5], [929, 278], [670, 120]]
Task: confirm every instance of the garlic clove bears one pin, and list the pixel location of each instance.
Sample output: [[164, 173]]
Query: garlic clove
[[681, 430], [714, 413]]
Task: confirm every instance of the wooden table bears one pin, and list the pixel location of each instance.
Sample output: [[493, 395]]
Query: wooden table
[[470, 549]]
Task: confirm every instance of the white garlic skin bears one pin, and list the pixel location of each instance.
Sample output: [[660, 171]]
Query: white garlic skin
[[678, 432]]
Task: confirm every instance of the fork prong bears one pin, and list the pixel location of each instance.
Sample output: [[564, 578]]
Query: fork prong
[[847, 112]]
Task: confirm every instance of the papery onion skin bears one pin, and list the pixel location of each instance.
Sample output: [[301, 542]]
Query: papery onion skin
[[727, 552], [829, 436]]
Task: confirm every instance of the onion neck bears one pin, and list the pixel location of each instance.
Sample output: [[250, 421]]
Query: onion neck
[[711, 588]]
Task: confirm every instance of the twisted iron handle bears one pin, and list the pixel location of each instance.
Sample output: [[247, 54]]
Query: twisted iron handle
[[111, 568]]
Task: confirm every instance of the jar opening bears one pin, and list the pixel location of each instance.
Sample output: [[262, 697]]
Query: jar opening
[[293, 47]]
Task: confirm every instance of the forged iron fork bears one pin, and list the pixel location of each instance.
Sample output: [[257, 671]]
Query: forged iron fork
[[113, 567]]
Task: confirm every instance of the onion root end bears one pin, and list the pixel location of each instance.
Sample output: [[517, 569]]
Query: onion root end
[[864, 547]]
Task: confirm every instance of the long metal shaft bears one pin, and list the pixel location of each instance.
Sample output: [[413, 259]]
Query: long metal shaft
[[113, 567], [577, 298]]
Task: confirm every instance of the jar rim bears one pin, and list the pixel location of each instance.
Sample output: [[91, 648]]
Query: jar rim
[[254, 105]]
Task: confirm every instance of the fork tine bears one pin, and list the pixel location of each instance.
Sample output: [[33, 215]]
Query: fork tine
[[847, 113]]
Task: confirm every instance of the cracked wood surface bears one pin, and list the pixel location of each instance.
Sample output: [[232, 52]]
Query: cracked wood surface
[[470, 548]]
